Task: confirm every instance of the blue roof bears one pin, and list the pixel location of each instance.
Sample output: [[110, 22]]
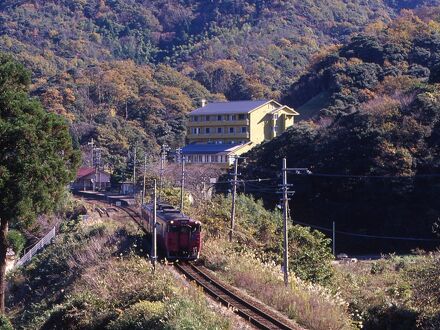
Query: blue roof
[[208, 148], [233, 107]]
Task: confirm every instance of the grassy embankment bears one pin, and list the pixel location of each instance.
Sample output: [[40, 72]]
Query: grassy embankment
[[96, 276], [394, 292]]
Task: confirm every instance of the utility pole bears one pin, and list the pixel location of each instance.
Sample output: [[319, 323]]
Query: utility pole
[[334, 239], [134, 170], [98, 166], [145, 175], [234, 192], [92, 143], [285, 205], [182, 183], [285, 201], [163, 155], [154, 256], [180, 158]]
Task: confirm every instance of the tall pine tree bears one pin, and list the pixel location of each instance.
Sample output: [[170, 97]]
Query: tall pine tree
[[37, 159]]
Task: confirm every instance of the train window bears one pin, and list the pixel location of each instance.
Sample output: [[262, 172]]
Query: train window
[[185, 229]]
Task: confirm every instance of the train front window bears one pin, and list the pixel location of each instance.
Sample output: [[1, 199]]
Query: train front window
[[173, 229], [184, 229]]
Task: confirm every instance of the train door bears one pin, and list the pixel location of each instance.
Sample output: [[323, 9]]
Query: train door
[[184, 238]]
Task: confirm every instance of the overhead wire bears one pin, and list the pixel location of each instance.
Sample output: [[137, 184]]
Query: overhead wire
[[368, 236]]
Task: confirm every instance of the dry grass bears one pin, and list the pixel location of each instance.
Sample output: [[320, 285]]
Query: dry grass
[[310, 305], [90, 279]]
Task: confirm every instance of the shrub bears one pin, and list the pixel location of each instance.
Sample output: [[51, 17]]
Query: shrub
[[310, 255], [142, 315], [426, 287], [16, 241], [5, 324], [189, 312], [260, 229]]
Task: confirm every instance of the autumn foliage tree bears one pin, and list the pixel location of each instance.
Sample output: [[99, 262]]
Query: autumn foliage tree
[[37, 159]]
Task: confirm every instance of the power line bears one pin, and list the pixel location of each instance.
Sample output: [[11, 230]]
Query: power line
[[372, 176], [369, 236]]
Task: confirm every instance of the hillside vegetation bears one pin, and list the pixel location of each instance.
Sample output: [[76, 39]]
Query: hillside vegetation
[[126, 72], [382, 120], [97, 276]]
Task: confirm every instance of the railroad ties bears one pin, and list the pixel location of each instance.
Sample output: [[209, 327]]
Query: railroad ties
[[134, 216], [259, 316], [256, 313]]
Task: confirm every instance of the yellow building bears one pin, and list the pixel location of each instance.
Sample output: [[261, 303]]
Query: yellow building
[[218, 131]]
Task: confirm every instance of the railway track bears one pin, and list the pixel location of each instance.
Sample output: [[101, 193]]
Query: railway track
[[133, 215], [259, 316]]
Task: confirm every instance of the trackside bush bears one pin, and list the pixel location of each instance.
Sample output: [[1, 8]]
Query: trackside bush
[[142, 315], [5, 324], [261, 229], [93, 278], [16, 241]]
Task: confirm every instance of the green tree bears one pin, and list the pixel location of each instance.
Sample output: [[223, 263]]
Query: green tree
[[37, 159]]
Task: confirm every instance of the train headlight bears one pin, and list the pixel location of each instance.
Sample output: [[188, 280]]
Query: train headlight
[[171, 222]]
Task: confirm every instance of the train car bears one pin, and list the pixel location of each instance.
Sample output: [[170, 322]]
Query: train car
[[178, 236]]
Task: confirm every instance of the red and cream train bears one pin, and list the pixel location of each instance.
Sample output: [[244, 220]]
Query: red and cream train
[[178, 236]]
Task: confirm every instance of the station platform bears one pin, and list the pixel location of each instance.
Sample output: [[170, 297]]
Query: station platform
[[116, 199]]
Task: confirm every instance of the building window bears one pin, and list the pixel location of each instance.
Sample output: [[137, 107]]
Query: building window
[[207, 118], [207, 130], [219, 130], [231, 130], [195, 118], [219, 117], [234, 117], [227, 117], [241, 117], [244, 129]]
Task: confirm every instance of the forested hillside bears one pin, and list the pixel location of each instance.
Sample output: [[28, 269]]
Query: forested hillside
[[270, 41], [374, 148], [126, 72]]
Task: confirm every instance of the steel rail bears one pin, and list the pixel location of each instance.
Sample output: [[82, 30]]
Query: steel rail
[[134, 215], [242, 307]]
